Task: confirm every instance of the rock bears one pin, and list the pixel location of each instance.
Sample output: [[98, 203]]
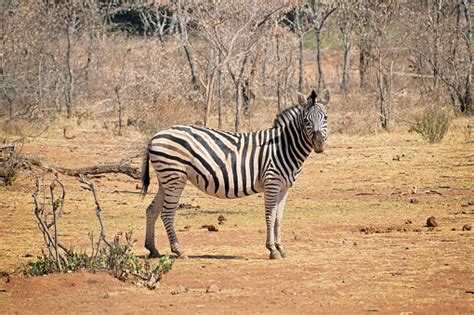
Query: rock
[[413, 190], [369, 230], [414, 201], [213, 289], [408, 222], [221, 218], [431, 222], [179, 290], [466, 227], [187, 227], [212, 228]]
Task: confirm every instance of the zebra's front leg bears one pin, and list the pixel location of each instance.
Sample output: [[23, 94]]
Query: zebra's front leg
[[170, 204], [272, 191], [152, 213], [279, 220]]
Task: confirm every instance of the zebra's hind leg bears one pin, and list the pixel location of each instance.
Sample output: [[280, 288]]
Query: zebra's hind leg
[[172, 192], [152, 213], [278, 222]]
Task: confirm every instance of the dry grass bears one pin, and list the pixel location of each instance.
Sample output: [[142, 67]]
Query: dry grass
[[361, 181]]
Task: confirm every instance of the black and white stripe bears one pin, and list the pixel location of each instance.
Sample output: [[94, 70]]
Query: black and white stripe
[[233, 165]]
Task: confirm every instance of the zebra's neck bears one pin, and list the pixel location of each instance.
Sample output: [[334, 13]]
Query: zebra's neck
[[291, 147]]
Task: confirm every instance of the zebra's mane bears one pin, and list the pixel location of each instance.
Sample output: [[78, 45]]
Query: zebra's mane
[[287, 115]]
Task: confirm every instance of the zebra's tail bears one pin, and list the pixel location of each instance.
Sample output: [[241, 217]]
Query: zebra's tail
[[145, 173]]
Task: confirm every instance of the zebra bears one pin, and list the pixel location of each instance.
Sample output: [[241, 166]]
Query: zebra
[[233, 165]]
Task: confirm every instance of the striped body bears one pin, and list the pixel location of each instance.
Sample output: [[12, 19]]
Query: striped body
[[227, 165], [233, 165]]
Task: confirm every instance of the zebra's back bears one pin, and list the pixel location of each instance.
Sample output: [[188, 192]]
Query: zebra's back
[[221, 164]]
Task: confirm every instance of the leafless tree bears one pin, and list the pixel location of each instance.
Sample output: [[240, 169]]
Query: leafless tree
[[320, 12], [346, 19], [232, 31], [299, 20], [182, 13], [441, 52]]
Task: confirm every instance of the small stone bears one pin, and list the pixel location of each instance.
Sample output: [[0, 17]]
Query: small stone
[[466, 227], [414, 201], [179, 290], [431, 222], [187, 227], [408, 222], [213, 289], [212, 228], [221, 218]]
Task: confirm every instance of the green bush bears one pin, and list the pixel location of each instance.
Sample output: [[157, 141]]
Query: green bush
[[433, 124], [118, 259]]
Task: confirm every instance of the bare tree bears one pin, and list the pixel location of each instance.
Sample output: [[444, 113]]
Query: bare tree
[[443, 48], [319, 14], [182, 13], [382, 15], [346, 21], [233, 30], [298, 19]]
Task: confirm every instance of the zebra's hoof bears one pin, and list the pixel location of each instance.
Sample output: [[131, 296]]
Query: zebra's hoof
[[275, 254], [154, 254], [282, 253], [183, 256]]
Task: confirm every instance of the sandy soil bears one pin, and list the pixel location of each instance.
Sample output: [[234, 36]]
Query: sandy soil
[[361, 183]]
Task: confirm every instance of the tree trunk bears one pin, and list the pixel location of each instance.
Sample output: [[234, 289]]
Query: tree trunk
[[363, 64], [183, 35], [238, 105], [383, 89], [279, 74], [468, 39], [346, 38], [219, 99], [301, 65], [264, 71], [209, 94], [70, 71], [318, 60]]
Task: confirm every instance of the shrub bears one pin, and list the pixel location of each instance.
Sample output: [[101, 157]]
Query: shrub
[[9, 164], [433, 124], [113, 256], [118, 259]]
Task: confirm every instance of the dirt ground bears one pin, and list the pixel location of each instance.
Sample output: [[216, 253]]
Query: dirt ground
[[354, 230]]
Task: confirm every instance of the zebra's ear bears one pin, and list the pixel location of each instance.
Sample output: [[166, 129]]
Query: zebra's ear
[[301, 99], [311, 100], [326, 97]]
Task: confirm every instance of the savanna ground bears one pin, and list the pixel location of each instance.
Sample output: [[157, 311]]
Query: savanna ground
[[360, 183]]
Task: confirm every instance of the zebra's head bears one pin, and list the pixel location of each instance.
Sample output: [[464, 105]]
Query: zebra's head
[[315, 119]]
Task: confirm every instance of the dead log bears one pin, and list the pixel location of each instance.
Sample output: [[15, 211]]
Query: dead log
[[119, 168], [128, 170]]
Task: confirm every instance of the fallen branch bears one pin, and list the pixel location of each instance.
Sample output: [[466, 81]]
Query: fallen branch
[[128, 170], [119, 168]]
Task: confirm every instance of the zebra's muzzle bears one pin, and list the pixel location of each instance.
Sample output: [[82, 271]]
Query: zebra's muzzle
[[318, 142]]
